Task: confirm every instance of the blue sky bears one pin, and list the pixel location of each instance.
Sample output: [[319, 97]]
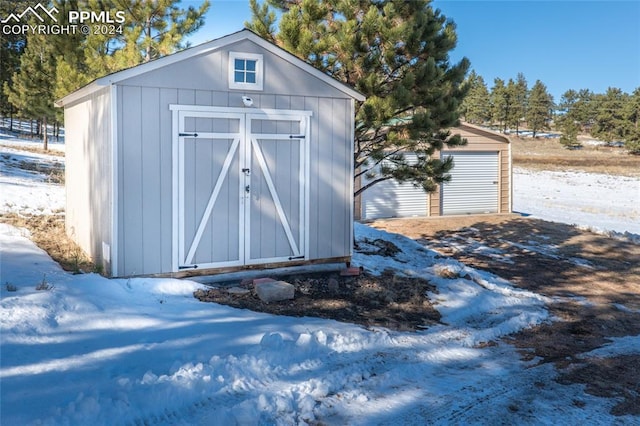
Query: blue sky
[[565, 44]]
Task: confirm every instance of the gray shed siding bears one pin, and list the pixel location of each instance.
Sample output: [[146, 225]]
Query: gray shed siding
[[144, 138], [209, 71], [88, 175]]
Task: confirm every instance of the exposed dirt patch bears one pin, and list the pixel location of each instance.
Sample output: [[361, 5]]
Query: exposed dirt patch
[[597, 374], [390, 301], [595, 280]]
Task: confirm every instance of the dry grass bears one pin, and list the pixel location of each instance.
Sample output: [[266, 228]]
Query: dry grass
[[36, 150], [48, 233], [548, 154], [54, 172]]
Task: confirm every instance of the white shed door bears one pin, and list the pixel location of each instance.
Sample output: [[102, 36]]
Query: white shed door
[[392, 199], [241, 188], [474, 181]]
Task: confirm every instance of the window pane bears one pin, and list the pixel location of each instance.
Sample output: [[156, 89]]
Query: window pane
[[238, 77], [251, 77], [239, 64], [251, 65]]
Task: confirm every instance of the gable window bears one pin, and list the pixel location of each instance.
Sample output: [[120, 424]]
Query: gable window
[[245, 71]]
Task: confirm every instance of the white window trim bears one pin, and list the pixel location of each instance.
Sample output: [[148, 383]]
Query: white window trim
[[258, 85]]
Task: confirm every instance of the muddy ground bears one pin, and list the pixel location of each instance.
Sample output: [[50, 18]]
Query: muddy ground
[[593, 279], [390, 301]]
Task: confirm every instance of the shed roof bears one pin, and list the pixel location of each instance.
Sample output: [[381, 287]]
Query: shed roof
[[482, 131], [201, 49]]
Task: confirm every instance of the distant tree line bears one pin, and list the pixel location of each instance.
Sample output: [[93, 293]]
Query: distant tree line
[[37, 69], [610, 116]]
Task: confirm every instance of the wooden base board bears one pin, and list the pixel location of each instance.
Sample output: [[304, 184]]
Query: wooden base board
[[216, 271]]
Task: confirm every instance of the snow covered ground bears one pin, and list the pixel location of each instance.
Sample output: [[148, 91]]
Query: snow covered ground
[[88, 350], [597, 201], [28, 190]]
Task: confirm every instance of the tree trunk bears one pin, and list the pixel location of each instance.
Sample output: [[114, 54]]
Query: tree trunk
[[147, 56], [45, 134]]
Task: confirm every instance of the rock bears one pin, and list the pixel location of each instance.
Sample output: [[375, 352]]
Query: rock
[[237, 290], [333, 285], [262, 280], [352, 271], [274, 291], [246, 282]]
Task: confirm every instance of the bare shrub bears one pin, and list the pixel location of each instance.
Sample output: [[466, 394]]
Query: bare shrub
[[44, 285]]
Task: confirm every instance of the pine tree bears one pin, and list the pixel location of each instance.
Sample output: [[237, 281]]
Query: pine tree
[[476, 106], [499, 104], [11, 49], [519, 95], [71, 68], [609, 122], [31, 89], [567, 103], [569, 138], [396, 54], [511, 112], [631, 113], [264, 20], [151, 29], [540, 107]]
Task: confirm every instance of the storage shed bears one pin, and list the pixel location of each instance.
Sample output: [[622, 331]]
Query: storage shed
[[480, 183], [232, 154]]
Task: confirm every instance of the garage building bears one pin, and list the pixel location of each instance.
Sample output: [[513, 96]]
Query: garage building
[[480, 183]]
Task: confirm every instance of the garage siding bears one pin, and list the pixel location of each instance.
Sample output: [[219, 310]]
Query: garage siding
[[381, 200]]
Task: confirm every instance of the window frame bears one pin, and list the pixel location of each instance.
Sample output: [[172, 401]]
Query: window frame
[[258, 58]]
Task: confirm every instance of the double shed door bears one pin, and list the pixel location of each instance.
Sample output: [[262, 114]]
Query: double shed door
[[242, 193]]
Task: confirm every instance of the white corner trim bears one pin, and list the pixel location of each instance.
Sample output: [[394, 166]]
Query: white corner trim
[[175, 209], [352, 139], [114, 181]]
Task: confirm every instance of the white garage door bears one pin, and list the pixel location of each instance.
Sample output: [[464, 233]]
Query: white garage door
[[474, 183], [393, 199]]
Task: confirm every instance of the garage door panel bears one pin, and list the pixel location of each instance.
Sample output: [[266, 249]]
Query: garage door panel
[[392, 199], [473, 188]]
